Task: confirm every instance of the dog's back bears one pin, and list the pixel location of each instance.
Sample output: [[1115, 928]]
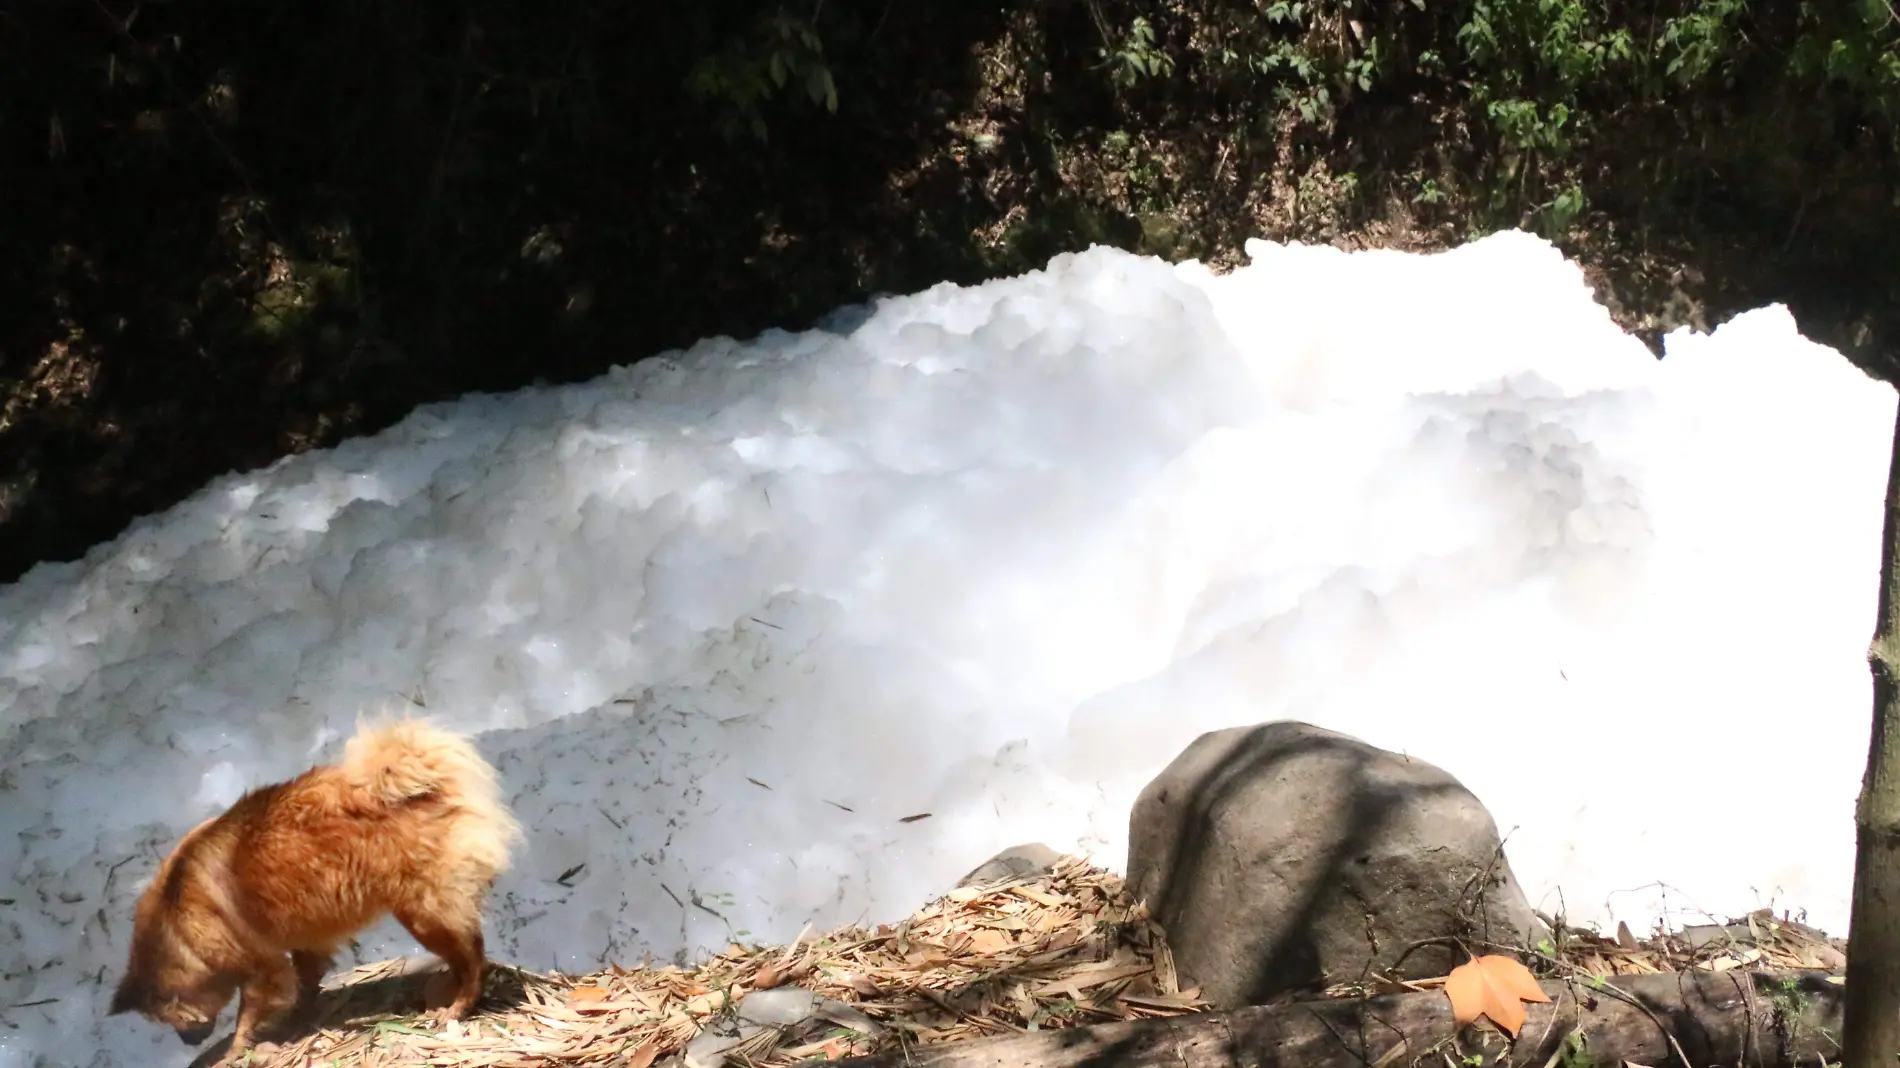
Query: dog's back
[[411, 816]]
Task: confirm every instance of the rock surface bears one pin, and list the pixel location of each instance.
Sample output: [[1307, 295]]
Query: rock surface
[[1283, 857], [788, 1010], [714, 1044], [1018, 861]]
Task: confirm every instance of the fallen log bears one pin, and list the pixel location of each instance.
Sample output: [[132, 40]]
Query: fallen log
[[1761, 1019]]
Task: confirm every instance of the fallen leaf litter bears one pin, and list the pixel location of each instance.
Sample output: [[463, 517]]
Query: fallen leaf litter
[[1066, 947]]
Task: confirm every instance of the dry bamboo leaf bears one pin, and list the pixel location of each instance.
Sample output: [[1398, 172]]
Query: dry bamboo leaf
[[989, 941], [1064, 939], [1167, 980], [1037, 896], [1173, 1001], [1494, 986]]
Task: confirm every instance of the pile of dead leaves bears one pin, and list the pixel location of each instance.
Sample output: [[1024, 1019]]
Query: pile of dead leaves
[[1759, 940], [1064, 948]]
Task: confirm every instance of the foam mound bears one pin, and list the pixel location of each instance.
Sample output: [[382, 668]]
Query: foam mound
[[723, 619]]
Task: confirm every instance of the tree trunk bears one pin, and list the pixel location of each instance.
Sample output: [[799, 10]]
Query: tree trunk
[[1779, 1019], [1872, 1033]]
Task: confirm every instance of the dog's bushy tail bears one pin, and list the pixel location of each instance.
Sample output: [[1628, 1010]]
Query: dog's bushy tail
[[404, 760]]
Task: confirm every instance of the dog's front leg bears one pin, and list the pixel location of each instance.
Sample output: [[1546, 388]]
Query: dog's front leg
[[265, 994], [310, 966]]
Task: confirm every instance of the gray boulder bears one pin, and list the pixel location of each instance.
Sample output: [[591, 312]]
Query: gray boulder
[[1016, 862], [1283, 857]]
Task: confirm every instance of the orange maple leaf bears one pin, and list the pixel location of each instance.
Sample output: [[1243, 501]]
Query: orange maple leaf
[[1495, 986]]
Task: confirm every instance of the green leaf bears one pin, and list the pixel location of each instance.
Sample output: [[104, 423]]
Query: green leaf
[[387, 1026]]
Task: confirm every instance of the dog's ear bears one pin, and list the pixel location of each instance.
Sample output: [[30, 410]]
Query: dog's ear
[[130, 996]]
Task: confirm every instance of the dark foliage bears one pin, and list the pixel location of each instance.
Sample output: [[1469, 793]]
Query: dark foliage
[[234, 231]]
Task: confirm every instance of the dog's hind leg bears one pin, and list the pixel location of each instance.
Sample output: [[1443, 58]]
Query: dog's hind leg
[[450, 929]]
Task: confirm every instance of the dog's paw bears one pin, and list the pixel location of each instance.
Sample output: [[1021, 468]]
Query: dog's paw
[[444, 1020]]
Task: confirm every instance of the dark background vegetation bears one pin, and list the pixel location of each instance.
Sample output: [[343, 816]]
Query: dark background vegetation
[[233, 231]]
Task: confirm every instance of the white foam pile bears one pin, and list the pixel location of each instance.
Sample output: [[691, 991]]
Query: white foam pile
[[996, 554]]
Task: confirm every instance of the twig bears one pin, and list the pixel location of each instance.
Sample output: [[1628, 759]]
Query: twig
[[1556, 1054], [1421, 944], [1359, 1054], [793, 948]]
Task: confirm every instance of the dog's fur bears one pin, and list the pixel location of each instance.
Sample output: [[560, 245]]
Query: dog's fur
[[256, 901]]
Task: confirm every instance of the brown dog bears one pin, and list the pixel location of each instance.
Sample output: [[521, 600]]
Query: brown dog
[[255, 901]]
